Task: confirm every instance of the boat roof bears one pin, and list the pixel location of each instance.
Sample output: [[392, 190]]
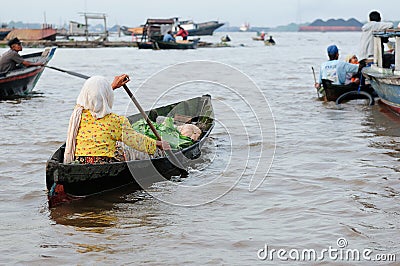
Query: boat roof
[[31, 34], [160, 21], [388, 33]]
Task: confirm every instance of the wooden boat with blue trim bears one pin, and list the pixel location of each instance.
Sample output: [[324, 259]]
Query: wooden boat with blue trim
[[21, 81], [67, 182], [384, 73]]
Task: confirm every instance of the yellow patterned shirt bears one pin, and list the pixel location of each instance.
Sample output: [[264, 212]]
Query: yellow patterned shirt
[[97, 137]]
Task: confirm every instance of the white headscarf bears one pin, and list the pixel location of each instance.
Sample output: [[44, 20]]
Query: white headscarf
[[97, 96]]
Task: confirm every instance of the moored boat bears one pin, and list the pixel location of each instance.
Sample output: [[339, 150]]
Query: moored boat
[[20, 82], [45, 33], [194, 29], [66, 182], [384, 73], [198, 29], [136, 31]]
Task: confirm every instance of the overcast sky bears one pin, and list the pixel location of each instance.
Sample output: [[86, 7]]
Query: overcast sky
[[267, 13]]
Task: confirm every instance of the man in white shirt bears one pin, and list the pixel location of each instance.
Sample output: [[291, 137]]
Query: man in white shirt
[[367, 40]]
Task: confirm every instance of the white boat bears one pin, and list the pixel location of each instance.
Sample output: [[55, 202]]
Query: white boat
[[244, 27]]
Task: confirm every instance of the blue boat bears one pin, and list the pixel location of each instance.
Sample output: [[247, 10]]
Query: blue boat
[[384, 73]]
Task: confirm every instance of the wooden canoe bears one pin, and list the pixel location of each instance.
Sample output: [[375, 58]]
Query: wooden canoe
[[332, 92], [66, 182], [177, 45]]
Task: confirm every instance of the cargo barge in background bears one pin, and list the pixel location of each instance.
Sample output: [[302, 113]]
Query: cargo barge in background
[[333, 25]]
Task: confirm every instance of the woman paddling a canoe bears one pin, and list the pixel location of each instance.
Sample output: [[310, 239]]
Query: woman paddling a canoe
[[94, 130]]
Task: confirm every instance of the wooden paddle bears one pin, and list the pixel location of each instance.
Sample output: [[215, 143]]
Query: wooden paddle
[[69, 72], [315, 81], [171, 156], [145, 116]]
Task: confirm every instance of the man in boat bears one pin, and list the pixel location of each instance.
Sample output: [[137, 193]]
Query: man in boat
[[270, 40], [367, 40], [262, 36], [182, 32], [11, 59], [168, 37], [225, 38], [334, 69]]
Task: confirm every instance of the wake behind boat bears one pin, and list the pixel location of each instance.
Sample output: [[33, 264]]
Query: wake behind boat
[[20, 82], [66, 182]]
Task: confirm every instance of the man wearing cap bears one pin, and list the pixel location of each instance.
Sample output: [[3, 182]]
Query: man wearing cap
[[367, 39], [334, 69], [10, 59]]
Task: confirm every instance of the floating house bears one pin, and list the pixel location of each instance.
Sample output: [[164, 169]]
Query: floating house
[[77, 29]]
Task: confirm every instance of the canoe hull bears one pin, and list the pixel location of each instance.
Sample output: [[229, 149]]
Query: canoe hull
[[269, 43], [387, 86], [145, 45], [176, 45], [82, 180], [333, 91], [160, 45]]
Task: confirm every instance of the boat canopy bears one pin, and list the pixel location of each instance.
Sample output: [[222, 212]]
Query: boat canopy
[[379, 54]]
